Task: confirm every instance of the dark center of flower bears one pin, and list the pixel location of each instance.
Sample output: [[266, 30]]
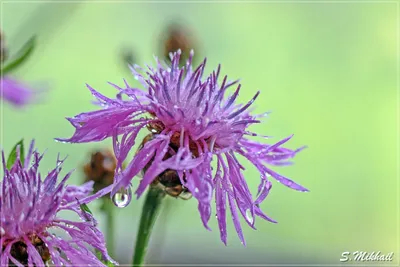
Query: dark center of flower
[[20, 252], [101, 169], [157, 127], [168, 180]]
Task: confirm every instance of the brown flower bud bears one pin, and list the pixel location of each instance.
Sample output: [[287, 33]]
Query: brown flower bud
[[177, 37], [101, 169]]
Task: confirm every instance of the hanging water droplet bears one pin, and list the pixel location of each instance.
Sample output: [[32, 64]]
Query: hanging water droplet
[[123, 197], [249, 216]]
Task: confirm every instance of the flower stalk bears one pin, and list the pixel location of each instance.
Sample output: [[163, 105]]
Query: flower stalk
[[150, 211], [108, 209]]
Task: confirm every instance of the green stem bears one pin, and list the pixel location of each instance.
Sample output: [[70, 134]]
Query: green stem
[[150, 210], [108, 209]]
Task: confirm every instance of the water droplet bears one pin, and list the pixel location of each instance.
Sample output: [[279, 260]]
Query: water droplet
[[196, 190], [2, 232], [249, 216], [123, 197], [136, 77], [60, 141]]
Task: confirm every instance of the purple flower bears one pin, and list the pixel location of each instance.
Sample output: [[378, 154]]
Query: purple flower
[[29, 207], [15, 92], [192, 123]]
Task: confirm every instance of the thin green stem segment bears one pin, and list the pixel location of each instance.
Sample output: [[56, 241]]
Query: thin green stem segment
[[108, 209], [150, 211]]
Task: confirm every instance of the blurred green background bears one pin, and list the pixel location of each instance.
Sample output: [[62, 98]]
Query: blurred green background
[[327, 71]]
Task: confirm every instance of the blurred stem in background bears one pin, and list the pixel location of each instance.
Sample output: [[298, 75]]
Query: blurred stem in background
[[108, 209], [150, 211], [100, 169]]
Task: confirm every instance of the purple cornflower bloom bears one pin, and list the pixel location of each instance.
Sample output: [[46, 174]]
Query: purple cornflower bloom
[[15, 92], [29, 207], [192, 122]]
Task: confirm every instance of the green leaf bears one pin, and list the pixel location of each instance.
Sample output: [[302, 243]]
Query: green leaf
[[85, 208], [13, 155], [21, 56]]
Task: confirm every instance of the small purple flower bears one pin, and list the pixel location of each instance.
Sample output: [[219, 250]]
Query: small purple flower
[[15, 92], [192, 122], [29, 207]]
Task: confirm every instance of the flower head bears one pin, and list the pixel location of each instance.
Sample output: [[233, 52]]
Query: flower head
[[29, 213], [15, 92], [192, 122]]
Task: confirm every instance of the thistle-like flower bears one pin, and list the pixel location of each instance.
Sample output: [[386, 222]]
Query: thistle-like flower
[[192, 122], [29, 207]]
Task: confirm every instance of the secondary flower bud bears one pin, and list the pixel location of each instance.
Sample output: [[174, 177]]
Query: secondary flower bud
[[100, 169]]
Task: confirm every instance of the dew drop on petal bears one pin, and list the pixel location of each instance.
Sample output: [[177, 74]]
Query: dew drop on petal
[[123, 197], [249, 216], [196, 190], [2, 232]]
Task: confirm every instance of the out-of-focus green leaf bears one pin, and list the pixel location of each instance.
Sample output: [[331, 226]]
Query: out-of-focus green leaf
[[21, 56], [13, 155]]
